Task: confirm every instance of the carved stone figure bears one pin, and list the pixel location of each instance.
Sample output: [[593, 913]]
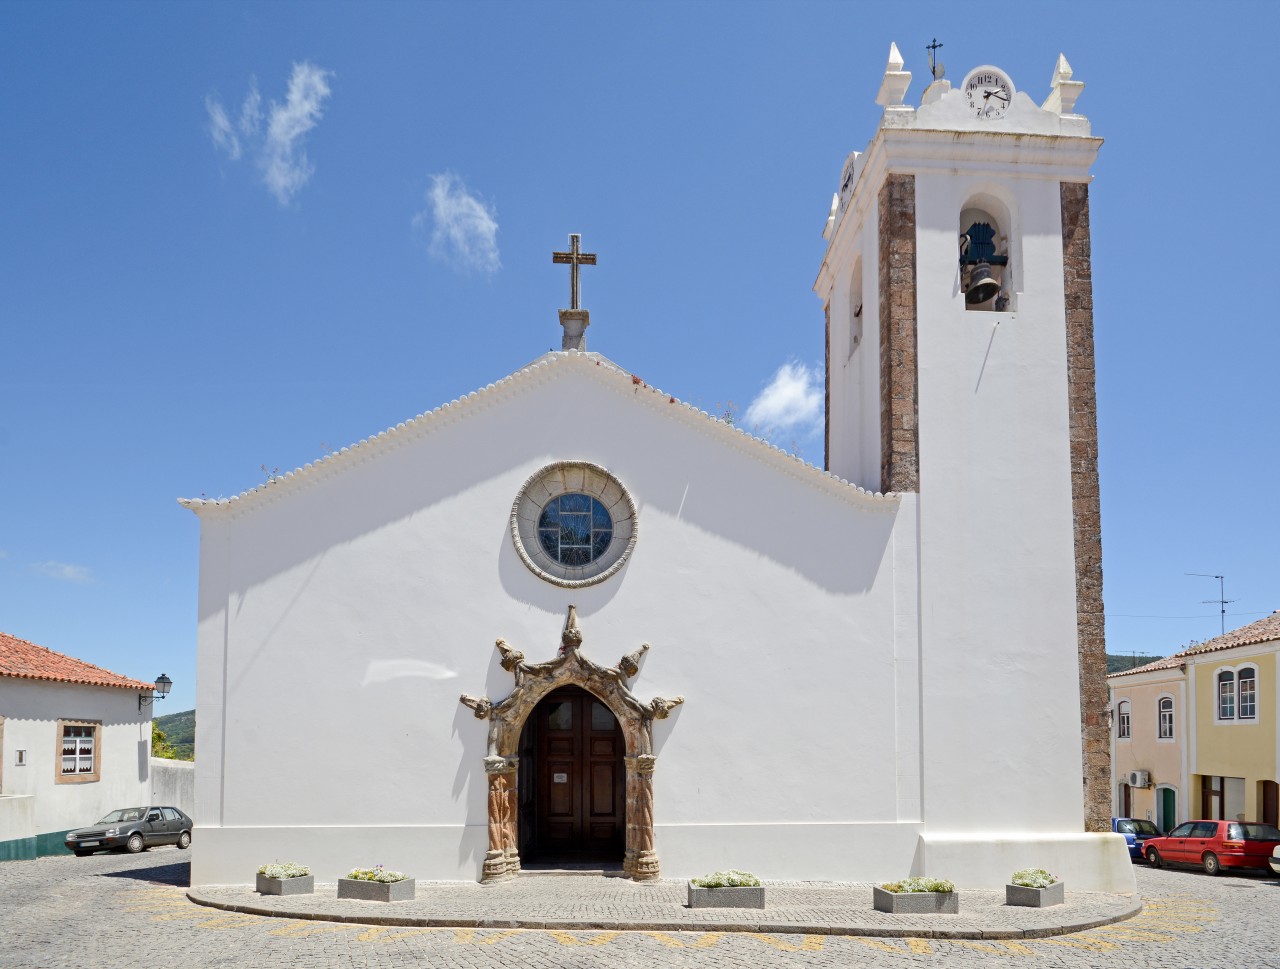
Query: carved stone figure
[[629, 665], [480, 705]]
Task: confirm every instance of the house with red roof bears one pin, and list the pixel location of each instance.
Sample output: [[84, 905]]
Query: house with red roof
[[1197, 734], [75, 743]]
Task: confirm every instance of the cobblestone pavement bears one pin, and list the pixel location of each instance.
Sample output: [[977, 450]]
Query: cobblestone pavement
[[591, 902], [121, 911]]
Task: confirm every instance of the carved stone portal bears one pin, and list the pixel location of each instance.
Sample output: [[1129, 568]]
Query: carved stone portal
[[506, 720]]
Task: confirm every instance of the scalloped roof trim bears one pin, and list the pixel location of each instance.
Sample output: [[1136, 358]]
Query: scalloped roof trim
[[539, 371]]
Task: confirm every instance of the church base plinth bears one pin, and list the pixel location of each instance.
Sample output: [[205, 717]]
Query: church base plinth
[[498, 868], [646, 867]]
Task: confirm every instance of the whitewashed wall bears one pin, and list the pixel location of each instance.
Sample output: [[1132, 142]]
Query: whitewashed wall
[[32, 709], [1001, 746], [173, 783], [339, 623]]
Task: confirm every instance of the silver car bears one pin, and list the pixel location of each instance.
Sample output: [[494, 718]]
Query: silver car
[[134, 829]]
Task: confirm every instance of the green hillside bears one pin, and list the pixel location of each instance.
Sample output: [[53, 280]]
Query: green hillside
[[1117, 663], [180, 730]]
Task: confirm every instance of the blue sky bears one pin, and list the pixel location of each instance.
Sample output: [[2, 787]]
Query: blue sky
[[242, 235]]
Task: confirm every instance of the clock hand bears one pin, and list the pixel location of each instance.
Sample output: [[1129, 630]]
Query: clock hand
[[998, 95]]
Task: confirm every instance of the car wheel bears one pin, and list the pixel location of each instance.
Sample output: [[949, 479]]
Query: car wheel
[[1153, 858], [83, 854], [1211, 864], [135, 844], [184, 840]]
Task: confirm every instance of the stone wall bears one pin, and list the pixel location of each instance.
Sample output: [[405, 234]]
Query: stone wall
[[899, 443], [1078, 282], [173, 784]]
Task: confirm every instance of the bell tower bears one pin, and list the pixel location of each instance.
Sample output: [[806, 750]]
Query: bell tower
[[960, 373]]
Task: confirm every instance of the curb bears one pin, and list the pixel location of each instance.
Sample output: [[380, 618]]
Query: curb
[[606, 925]]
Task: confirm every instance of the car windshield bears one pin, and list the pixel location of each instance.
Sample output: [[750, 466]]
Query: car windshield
[[124, 814], [1253, 832], [1141, 827]]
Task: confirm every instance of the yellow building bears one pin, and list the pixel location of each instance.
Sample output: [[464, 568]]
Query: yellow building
[[1228, 742], [1149, 762]]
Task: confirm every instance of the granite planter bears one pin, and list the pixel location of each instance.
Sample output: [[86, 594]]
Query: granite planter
[[1055, 894], [301, 885], [916, 903], [401, 891], [738, 897]]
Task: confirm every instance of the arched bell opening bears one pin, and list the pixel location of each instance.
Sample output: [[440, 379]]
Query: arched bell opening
[[986, 250]]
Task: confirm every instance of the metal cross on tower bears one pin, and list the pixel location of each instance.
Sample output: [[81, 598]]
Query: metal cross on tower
[[575, 258], [933, 58]]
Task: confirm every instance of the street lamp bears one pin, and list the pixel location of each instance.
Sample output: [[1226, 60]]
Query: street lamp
[[162, 687]]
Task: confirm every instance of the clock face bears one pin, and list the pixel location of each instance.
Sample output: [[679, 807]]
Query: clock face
[[988, 92]]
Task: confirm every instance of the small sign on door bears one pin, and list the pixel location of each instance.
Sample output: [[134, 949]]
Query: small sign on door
[[559, 778]]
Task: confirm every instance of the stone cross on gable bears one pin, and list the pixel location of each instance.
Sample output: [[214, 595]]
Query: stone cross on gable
[[575, 257]]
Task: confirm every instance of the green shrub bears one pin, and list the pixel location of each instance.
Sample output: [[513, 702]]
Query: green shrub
[[1033, 878], [727, 879], [376, 874], [284, 869], [920, 884]]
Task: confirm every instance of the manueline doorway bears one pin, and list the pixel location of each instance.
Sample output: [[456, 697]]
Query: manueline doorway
[[572, 782]]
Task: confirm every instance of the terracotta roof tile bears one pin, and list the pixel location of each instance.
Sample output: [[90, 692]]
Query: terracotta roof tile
[[29, 661], [1262, 631]]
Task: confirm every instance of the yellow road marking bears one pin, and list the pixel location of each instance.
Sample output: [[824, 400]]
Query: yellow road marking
[[310, 928], [409, 933], [995, 948], [375, 932], [1136, 934], [705, 940], [914, 946], [1165, 925], [473, 936], [811, 943], [564, 938], [1094, 945]]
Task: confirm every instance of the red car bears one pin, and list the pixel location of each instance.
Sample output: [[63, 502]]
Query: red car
[[1214, 845]]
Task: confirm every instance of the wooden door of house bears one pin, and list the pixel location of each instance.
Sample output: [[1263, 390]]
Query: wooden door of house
[[1270, 802], [580, 781]]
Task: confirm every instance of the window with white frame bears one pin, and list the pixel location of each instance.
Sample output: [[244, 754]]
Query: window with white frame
[[1166, 718], [1122, 720], [78, 755], [1227, 695], [1247, 693]]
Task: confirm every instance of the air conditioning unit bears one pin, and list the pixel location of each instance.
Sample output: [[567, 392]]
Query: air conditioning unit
[[1139, 778]]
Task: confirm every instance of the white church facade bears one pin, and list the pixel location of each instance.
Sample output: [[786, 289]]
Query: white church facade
[[678, 648]]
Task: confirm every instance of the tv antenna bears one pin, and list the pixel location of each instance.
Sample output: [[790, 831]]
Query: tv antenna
[[1221, 601]]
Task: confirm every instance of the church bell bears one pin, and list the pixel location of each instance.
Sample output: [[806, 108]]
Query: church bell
[[982, 285]]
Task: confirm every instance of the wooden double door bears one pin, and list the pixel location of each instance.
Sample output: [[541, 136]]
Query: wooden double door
[[572, 780]]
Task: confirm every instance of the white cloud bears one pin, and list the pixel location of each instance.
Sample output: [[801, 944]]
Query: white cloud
[[220, 130], [277, 148], [464, 231], [63, 571], [284, 163], [790, 403], [251, 110]]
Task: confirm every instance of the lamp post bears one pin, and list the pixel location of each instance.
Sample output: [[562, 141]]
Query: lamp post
[[162, 687]]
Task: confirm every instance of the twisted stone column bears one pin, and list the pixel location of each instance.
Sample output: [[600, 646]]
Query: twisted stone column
[[641, 861], [501, 860], [510, 841]]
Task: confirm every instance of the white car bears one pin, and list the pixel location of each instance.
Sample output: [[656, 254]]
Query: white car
[[1274, 860]]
